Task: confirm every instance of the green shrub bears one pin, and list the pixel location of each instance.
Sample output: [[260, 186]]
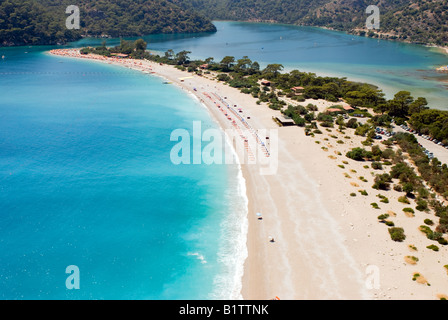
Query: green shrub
[[397, 234], [433, 247], [382, 182], [375, 205], [426, 230], [422, 205], [431, 235], [384, 199], [358, 154], [403, 199]]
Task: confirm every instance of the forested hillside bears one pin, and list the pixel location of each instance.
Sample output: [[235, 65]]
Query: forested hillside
[[30, 22], [422, 21], [43, 21]]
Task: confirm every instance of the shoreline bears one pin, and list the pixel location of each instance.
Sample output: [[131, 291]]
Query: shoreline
[[325, 239]]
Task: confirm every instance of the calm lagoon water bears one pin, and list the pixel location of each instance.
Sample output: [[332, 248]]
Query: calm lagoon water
[[391, 65], [85, 173]]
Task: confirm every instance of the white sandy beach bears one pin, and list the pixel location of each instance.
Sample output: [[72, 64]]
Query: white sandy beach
[[328, 244]]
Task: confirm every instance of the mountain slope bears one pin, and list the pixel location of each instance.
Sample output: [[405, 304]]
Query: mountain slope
[[422, 21], [25, 22]]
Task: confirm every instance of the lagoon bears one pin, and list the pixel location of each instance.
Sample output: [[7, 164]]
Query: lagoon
[[391, 65]]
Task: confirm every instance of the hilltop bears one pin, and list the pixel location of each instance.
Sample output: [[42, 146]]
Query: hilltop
[[32, 22]]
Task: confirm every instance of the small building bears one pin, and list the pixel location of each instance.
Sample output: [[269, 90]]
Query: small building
[[120, 55], [266, 83], [349, 109], [204, 66], [285, 121], [298, 90], [334, 110]]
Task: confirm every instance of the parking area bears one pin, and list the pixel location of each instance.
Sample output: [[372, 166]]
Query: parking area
[[431, 147]]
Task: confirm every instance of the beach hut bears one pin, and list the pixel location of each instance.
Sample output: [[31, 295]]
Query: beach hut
[[349, 109], [298, 91], [333, 110], [284, 121], [266, 83], [120, 55]]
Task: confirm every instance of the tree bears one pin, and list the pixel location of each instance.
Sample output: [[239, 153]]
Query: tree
[[210, 60], [126, 47], [254, 68], [182, 57], [382, 108], [169, 54], [352, 123], [273, 69], [243, 64], [299, 120], [399, 105], [140, 45], [365, 96], [357, 154], [227, 63], [418, 105]]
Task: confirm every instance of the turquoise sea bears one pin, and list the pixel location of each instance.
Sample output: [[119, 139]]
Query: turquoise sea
[[85, 171], [86, 179]]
